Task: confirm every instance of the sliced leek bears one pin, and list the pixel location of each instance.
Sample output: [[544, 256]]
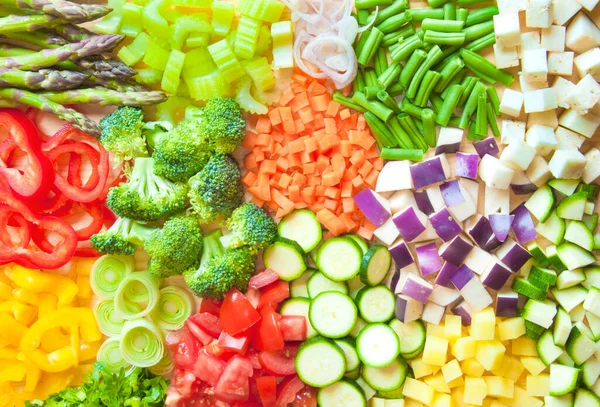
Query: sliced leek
[[110, 356], [108, 272], [175, 305], [141, 343], [109, 321], [137, 295], [164, 367]]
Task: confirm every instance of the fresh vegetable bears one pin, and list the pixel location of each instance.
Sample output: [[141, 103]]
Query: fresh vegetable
[[122, 133], [125, 236]]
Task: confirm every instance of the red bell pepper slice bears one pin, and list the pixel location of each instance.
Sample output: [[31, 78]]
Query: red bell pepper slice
[[75, 165], [35, 179], [65, 132], [94, 210], [51, 203], [85, 249], [14, 219]]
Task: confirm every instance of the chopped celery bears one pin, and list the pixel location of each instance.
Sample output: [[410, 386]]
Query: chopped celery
[[263, 45], [128, 57], [156, 57], [263, 10], [226, 60], [198, 62], [137, 49], [154, 23], [283, 44], [172, 75], [111, 23], [246, 100], [148, 76], [223, 14], [209, 86], [172, 110], [192, 3], [173, 15], [246, 37], [261, 73], [132, 20], [184, 26], [197, 39]]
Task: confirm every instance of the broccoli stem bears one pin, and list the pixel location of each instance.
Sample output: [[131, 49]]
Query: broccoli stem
[[212, 246]]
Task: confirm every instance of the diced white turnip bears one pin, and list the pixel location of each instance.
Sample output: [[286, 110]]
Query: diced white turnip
[[417, 288], [562, 88], [388, 232], [478, 259], [501, 224], [430, 172], [394, 176], [433, 313], [472, 187], [522, 225], [585, 95], [568, 164], [449, 140], [588, 63], [517, 155], [548, 119], [512, 130], [507, 302], [585, 124], [538, 14], [538, 171], [463, 310], [466, 165], [401, 200], [529, 40], [512, 254], [444, 296], [496, 200], [478, 228], [506, 57], [443, 277], [507, 29], [582, 34], [457, 200], [471, 289], [540, 100], [541, 139], [495, 173], [567, 139], [428, 258], [521, 184], [410, 222], [592, 167], [456, 250], [375, 207], [511, 102], [445, 225], [407, 309], [435, 197], [553, 38], [423, 202], [401, 254], [564, 10], [495, 275], [561, 63], [511, 6], [535, 65]]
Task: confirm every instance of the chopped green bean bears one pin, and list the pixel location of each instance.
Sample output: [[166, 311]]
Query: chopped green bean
[[360, 44], [470, 2], [381, 134], [444, 38], [451, 69], [436, 101], [405, 49], [419, 125], [445, 112], [395, 37], [483, 76], [370, 77], [359, 82], [347, 101], [449, 11], [481, 124], [481, 43], [396, 89], [491, 118], [494, 99], [468, 84], [437, 3], [362, 16], [392, 72], [462, 14], [471, 105], [420, 14], [366, 4], [394, 23], [457, 80], [371, 92], [471, 135], [399, 154], [377, 108], [478, 30], [433, 57], [411, 109], [380, 61], [429, 132], [449, 26], [481, 15], [409, 126], [389, 101], [370, 46], [389, 11], [428, 83], [400, 135], [454, 121]]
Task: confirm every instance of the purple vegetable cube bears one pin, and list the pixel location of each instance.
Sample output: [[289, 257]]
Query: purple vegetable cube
[[501, 224], [409, 224], [507, 303], [467, 165], [432, 171], [480, 230], [456, 250], [464, 311], [423, 202], [429, 260], [401, 254], [417, 288], [445, 274], [373, 206], [523, 225], [512, 254], [487, 146], [452, 193], [444, 225], [495, 276], [449, 140]]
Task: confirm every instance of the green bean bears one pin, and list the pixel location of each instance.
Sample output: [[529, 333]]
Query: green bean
[[482, 75], [419, 124], [481, 43], [428, 83], [470, 2], [396, 89], [405, 49], [394, 38], [481, 124], [478, 30], [359, 82], [366, 4], [471, 135], [437, 3], [347, 101], [494, 99], [468, 85], [454, 121], [381, 134], [411, 109], [420, 14], [370, 77], [400, 135], [457, 80], [377, 108], [453, 67], [433, 57], [400, 154], [481, 15], [450, 102], [360, 44], [448, 26], [371, 92], [409, 126], [429, 132], [380, 62], [444, 38], [491, 118], [396, 8], [449, 11], [370, 46], [462, 14], [362, 16], [471, 105], [392, 72], [389, 101], [396, 22], [436, 101]]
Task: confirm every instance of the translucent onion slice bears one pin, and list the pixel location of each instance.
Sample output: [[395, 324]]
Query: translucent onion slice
[[175, 305], [110, 356], [137, 295], [324, 47], [110, 322], [141, 343], [164, 367], [108, 272]]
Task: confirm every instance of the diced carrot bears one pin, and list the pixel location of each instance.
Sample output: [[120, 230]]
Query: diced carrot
[[324, 215], [344, 114], [338, 163], [333, 193], [262, 192], [361, 123], [320, 190], [274, 117], [311, 144], [367, 142], [300, 205], [365, 169], [372, 153], [358, 181], [345, 148], [330, 125], [348, 222], [259, 154], [284, 181], [250, 161], [250, 140], [319, 103], [378, 163], [300, 101], [297, 88], [332, 109], [287, 120], [296, 146], [300, 79], [348, 205], [352, 120], [268, 167], [306, 115], [263, 125], [262, 179], [284, 151], [331, 178], [308, 194], [249, 179], [317, 206], [262, 139], [282, 163], [300, 127], [336, 226], [322, 163], [331, 204], [365, 233], [309, 168], [350, 173], [270, 148], [314, 180], [319, 121], [328, 142], [283, 202], [299, 179], [294, 193], [273, 205], [258, 202], [371, 178], [294, 160], [277, 136], [273, 183], [306, 157], [347, 189], [316, 88]]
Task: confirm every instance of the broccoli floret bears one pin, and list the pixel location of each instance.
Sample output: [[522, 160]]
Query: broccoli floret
[[176, 247], [250, 226], [216, 190], [121, 133], [219, 270], [125, 236], [222, 125], [181, 153], [146, 196], [154, 131]]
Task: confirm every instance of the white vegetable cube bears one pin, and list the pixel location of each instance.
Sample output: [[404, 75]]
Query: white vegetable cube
[[402, 199], [538, 171], [511, 6], [588, 4], [529, 86], [388, 232], [496, 201], [394, 176], [589, 63], [535, 65], [475, 390], [495, 173], [507, 29], [584, 124], [506, 57], [584, 95], [592, 301], [592, 167], [562, 87], [547, 118], [538, 13], [553, 38], [282, 33], [567, 139], [540, 100], [582, 34], [560, 63], [512, 130], [531, 40], [511, 103], [483, 325], [542, 139], [433, 313], [564, 10], [477, 260], [567, 164], [435, 351], [518, 155]]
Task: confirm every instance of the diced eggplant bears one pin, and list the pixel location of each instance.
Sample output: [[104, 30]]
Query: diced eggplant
[[495, 276], [466, 165], [464, 311], [457, 200], [507, 302], [449, 140], [423, 202], [430, 172], [373, 206], [433, 313], [512, 254], [394, 176], [388, 232], [471, 289], [401, 254], [435, 197], [501, 224], [523, 225], [444, 224], [472, 188], [478, 259], [456, 250], [478, 228], [407, 309], [417, 288], [443, 277], [444, 296], [521, 184], [487, 146], [496, 200], [495, 173], [401, 200], [428, 258], [410, 223]]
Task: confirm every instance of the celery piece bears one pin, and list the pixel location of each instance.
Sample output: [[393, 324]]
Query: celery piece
[[198, 62], [173, 15], [263, 10], [172, 74], [192, 3], [246, 100], [245, 39], [111, 23], [148, 76], [156, 57], [283, 44], [223, 14], [172, 109], [261, 73], [183, 27], [208, 87], [226, 60], [132, 20], [198, 39], [263, 45], [154, 23], [137, 48]]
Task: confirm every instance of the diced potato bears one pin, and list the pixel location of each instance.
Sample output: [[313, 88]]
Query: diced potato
[[436, 330], [524, 346], [421, 369], [442, 400], [515, 369], [482, 326], [553, 38], [475, 390], [435, 351], [500, 386], [410, 403], [507, 29], [451, 371], [512, 328], [464, 348], [472, 367], [452, 327], [419, 391], [489, 353], [511, 103], [561, 63], [538, 386], [534, 365], [522, 399], [502, 367], [438, 383], [377, 402]]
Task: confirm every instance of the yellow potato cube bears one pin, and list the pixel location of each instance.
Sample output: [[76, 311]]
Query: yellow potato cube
[[435, 351], [534, 365], [436, 330], [524, 346], [464, 348], [419, 391], [410, 403], [496, 403], [377, 402], [515, 369], [452, 327], [442, 400], [502, 366], [451, 370], [521, 399], [422, 369], [483, 325], [475, 390], [499, 386], [511, 328], [438, 383], [457, 396], [459, 381], [538, 386], [471, 367], [401, 403], [489, 353]]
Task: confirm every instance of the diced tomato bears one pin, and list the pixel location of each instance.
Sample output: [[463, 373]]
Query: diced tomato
[[204, 337], [274, 294], [208, 322], [237, 313], [173, 399], [279, 363], [268, 335], [287, 391], [253, 356], [184, 382], [307, 397], [208, 368], [211, 306], [267, 388], [183, 348], [213, 349], [262, 279], [293, 327], [233, 385], [238, 344], [254, 297]]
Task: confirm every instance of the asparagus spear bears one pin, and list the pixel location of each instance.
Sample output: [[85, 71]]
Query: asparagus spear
[[36, 39], [116, 84], [106, 68], [38, 101], [65, 10], [73, 33], [105, 97], [44, 79], [49, 57], [14, 23]]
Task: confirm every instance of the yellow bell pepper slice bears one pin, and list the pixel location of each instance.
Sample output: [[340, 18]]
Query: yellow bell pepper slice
[[83, 265], [6, 291], [38, 281], [12, 330], [22, 312], [12, 372], [26, 296]]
